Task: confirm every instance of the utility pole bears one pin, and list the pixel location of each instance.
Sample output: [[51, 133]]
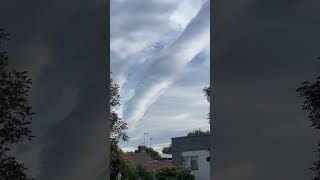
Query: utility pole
[[150, 141], [144, 138]]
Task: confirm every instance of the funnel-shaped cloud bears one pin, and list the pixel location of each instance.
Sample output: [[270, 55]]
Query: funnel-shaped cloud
[[163, 69]]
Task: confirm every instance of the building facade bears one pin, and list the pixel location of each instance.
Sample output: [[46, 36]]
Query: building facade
[[193, 153]]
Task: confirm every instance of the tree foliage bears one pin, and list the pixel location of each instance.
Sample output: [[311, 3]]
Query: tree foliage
[[167, 150], [152, 153], [15, 115], [310, 92], [140, 172], [206, 91], [198, 132], [118, 163], [173, 173], [117, 125], [10, 169]]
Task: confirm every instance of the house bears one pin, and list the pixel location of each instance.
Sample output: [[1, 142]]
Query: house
[[139, 158], [142, 158], [166, 156], [156, 165], [193, 153]]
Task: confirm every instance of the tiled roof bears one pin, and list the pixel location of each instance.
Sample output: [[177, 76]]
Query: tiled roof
[[132, 156], [139, 158], [158, 165]]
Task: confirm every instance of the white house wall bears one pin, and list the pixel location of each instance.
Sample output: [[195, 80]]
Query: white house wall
[[204, 166]]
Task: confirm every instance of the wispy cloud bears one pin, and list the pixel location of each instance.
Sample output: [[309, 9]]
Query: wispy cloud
[[158, 60], [163, 69]]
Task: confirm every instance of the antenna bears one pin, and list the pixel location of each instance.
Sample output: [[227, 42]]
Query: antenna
[[144, 138]]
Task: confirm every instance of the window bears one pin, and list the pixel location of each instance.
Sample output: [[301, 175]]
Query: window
[[194, 163], [190, 162], [186, 162]]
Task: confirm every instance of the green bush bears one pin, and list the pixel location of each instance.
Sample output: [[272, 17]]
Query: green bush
[[120, 164], [174, 173], [141, 173]]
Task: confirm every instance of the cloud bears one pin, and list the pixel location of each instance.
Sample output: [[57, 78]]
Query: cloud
[[156, 147], [163, 69], [175, 113], [152, 52], [134, 38]]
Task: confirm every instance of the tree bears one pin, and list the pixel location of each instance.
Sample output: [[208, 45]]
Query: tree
[[206, 91], [121, 165], [118, 163], [310, 92], [117, 125], [173, 173], [152, 153], [198, 132], [15, 115], [167, 150], [140, 172]]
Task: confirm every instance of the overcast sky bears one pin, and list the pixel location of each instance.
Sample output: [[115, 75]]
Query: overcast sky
[[160, 54]]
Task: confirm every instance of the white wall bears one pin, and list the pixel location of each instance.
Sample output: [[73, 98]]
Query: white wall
[[204, 166]]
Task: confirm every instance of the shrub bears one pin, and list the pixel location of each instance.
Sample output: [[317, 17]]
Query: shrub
[[141, 173], [174, 173]]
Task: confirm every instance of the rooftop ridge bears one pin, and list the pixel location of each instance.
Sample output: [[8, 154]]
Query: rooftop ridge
[[190, 136]]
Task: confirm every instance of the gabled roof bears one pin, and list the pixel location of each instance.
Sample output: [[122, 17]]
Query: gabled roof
[[154, 166], [139, 158]]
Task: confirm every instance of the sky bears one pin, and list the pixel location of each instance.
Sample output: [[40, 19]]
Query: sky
[[160, 57]]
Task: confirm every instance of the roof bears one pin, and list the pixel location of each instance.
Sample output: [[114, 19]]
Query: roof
[[166, 155], [139, 158], [191, 137], [186, 143], [154, 166], [190, 143]]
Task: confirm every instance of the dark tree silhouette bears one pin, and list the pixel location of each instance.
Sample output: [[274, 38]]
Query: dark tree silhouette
[[198, 132], [15, 115], [206, 91], [310, 92], [167, 150], [152, 153], [118, 162], [117, 125]]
